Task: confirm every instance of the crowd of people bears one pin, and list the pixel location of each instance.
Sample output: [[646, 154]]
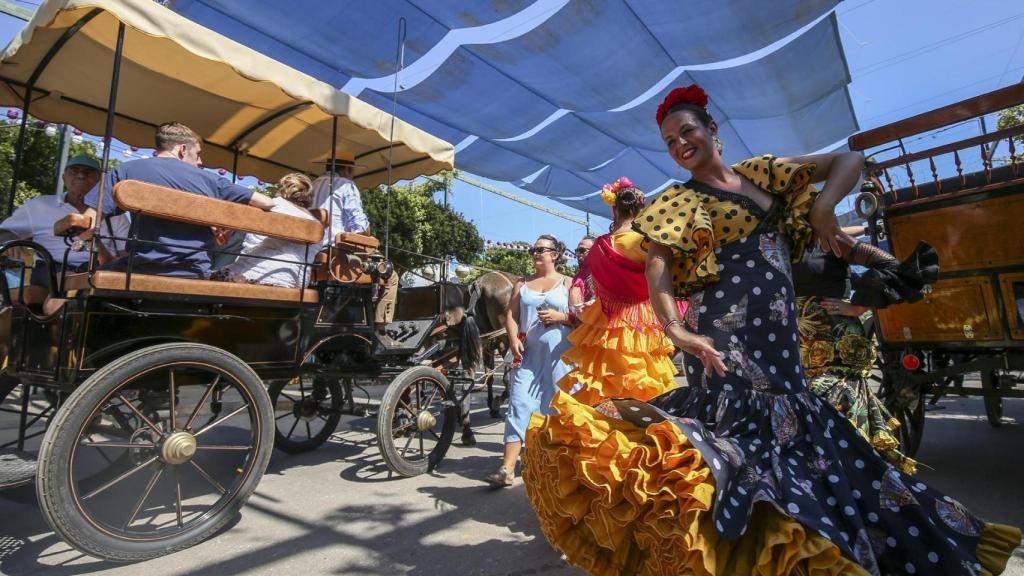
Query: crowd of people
[[773, 458]]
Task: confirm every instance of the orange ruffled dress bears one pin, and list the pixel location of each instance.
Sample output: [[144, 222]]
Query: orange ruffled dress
[[619, 349], [747, 473]]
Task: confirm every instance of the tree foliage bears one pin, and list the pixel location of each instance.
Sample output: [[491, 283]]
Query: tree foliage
[[420, 230], [509, 260], [39, 168], [1011, 117]]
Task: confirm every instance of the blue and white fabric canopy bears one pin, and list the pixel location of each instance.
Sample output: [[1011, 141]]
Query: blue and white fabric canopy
[[558, 96]]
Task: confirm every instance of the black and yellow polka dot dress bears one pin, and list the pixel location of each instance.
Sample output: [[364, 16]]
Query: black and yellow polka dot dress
[[747, 473]]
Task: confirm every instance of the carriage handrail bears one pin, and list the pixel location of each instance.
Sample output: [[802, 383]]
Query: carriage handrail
[[42, 252], [946, 148], [964, 110]]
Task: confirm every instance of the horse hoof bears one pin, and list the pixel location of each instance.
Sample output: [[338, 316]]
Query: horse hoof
[[468, 438]]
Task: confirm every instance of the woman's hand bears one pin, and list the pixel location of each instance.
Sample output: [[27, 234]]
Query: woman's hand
[[517, 348], [548, 317], [701, 347], [837, 307], [830, 235]]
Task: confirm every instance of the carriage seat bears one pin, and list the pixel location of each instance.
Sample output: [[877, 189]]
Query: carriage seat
[[107, 280], [140, 197]]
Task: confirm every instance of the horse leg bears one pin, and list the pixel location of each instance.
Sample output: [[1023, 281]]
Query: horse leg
[[468, 438]]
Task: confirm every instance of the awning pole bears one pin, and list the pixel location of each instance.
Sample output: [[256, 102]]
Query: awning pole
[[108, 134]]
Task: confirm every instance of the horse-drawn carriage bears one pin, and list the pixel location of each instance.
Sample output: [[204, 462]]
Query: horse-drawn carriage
[[972, 318], [149, 391]]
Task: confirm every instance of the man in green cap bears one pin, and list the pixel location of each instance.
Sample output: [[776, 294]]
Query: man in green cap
[[34, 220]]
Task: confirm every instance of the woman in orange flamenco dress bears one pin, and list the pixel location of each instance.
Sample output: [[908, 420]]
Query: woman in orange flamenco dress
[[618, 347], [743, 471]]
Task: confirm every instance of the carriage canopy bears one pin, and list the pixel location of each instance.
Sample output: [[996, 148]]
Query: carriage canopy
[[278, 119]]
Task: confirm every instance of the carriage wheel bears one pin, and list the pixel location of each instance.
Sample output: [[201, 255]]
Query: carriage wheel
[[155, 452], [993, 404], [417, 419], [306, 414]]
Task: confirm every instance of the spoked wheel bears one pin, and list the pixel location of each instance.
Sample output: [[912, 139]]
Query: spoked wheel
[[417, 421], [306, 413], [155, 452], [993, 404]]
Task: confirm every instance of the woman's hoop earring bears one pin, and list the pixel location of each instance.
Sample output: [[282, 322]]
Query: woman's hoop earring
[[718, 144]]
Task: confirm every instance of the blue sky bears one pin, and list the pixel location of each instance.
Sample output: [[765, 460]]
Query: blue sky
[[905, 57]]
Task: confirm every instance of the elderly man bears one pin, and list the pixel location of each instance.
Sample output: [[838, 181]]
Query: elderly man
[[34, 220], [173, 248], [584, 247]]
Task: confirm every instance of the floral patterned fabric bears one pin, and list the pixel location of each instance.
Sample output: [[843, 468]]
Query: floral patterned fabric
[[838, 358]]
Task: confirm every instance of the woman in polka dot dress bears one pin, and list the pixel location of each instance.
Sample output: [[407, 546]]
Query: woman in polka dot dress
[[744, 471]]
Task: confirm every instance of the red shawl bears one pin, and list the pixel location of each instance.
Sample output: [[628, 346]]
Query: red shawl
[[620, 285]]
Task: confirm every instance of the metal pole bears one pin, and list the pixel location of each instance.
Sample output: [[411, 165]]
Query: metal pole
[[108, 133], [64, 146], [330, 193], [234, 168], [19, 151]]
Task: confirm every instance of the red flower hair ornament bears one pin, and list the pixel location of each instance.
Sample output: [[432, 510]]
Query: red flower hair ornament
[[692, 94]]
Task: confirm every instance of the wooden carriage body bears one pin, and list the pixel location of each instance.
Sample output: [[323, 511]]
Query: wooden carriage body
[[974, 220]]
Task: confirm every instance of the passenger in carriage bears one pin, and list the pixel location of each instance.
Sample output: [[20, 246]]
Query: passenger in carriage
[[288, 268], [34, 220], [167, 247]]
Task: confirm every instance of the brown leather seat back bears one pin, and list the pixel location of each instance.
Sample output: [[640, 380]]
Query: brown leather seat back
[[321, 216], [135, 196]]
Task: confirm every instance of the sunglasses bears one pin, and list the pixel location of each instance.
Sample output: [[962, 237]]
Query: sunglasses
[[540, 250], [582, 250]]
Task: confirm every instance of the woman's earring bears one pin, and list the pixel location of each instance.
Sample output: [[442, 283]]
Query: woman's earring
[[718, 144]]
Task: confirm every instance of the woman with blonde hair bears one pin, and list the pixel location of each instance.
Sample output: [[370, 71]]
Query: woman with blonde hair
[[290, 259]]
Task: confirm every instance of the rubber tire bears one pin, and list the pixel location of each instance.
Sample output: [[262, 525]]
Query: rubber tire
[[52, 480], [389, 405], [282, 443], [993, 404]]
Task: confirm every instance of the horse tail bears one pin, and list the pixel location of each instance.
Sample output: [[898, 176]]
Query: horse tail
[[471, 345]]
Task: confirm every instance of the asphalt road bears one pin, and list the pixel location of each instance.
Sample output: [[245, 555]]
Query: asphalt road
[[336, 511]]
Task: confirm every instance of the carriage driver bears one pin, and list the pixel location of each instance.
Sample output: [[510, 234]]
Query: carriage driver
[[338, 195]]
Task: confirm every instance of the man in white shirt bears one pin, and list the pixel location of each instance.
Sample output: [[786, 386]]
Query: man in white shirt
[[34, 221], [338, 195]]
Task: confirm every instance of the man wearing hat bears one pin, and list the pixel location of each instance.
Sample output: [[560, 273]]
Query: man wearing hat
[[34, 220], [338, 195]]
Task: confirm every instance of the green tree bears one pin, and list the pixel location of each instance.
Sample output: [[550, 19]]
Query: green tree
[[419, 229], [1011, 117], [511, 260], [39, 168]]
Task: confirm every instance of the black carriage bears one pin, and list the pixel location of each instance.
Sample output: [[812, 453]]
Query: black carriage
[[972, 318], [149, 391]]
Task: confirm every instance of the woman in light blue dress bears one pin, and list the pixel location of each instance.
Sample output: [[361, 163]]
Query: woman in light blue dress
[[537, 324]]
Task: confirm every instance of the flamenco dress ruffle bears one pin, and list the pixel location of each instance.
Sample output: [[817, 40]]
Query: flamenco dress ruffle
[[625, 356]]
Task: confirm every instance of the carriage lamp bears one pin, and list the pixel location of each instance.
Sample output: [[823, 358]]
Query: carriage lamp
[[910, 361], [462, 271]]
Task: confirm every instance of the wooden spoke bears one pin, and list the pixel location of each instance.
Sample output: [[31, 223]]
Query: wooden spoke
[[111, 483], [140, 415], [201, 403], [177, 495], [172, 392], [211, 425], [206, 475], [292, 429], [223, 448], [127, 445], [145, 495]]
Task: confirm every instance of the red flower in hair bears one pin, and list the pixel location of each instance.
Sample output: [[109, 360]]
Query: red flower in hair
[[692, 94]]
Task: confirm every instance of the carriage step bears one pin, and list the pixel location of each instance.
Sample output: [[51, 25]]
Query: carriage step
[[17, 468]]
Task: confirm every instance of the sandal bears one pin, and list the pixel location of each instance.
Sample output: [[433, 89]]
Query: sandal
[[502, 478]]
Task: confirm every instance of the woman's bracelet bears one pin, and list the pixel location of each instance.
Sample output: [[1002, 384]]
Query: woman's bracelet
[[670, 323]]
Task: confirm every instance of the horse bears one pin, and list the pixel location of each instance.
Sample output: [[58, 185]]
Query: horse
[[479, 309]]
